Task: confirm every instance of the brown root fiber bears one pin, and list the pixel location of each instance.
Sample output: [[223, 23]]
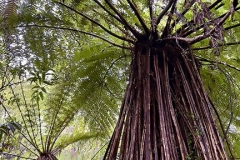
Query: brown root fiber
[[46, 156], [166, 113]]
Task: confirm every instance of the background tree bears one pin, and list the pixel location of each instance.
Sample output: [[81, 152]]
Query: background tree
[[36, 81], [164, 89]]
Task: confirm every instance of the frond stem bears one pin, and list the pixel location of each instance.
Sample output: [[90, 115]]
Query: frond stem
[[233, 26], [164, 12], [105, 9], [206, 35], [145, 28], [230, 99], [4, 107], [150, 6], [94, 22], [188, 32], [189, 5], [168, 28], [209, 47], [134, 32], [219, 62], [30, 140], [75, 30], [53, 124], [28, 114]]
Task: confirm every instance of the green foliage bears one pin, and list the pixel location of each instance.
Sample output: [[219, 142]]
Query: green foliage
[[63, 79], [54, 76]]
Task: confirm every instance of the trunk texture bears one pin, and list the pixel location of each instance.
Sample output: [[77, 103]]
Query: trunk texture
[[46, 156], [166, 113]]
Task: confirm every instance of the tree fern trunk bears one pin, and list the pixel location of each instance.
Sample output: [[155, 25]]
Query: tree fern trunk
[[46, 156], [166, 113]]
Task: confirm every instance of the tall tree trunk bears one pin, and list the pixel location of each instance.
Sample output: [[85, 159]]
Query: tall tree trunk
[[166, 113]]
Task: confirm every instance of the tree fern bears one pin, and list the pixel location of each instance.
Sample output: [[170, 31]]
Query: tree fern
[[87, 47]]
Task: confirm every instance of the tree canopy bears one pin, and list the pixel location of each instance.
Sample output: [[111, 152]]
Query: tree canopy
[[65, 66]]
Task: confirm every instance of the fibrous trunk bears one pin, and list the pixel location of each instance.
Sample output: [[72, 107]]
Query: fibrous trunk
[[47, 156], [166, 113]]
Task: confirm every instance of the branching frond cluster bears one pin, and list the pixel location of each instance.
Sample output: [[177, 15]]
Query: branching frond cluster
[[73, 54]]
